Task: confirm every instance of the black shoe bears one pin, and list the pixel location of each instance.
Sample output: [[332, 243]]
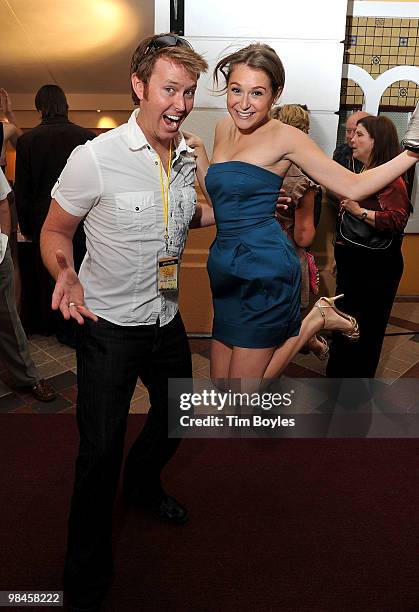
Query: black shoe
[[164, 507], [168, 509], [43, 392]]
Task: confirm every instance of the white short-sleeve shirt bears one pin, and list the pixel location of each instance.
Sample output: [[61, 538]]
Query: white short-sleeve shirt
[[114, 182]]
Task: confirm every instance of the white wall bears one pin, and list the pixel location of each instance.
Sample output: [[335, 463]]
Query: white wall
[[308, 43]]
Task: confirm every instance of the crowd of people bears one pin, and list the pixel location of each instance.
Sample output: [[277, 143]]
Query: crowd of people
[[131, 191]]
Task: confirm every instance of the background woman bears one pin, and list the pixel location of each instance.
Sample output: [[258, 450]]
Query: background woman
[[254, 272], [369, 277]]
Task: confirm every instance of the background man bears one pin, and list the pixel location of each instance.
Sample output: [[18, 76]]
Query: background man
[[9, 133], [41, 154], [14, 349], [135, 187]]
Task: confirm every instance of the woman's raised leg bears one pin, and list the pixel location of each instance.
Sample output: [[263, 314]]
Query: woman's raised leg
[[228, 363], [322, 316]]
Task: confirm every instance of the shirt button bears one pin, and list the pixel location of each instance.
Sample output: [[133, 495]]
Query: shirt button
[[137, 208], [156, 163]]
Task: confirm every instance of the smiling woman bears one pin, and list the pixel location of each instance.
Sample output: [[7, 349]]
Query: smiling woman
[[253, 269]]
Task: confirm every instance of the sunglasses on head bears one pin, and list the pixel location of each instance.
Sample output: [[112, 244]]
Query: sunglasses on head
[[167, 40]]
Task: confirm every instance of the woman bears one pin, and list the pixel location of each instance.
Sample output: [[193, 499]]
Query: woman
[[254, 272], [369, 277], [298, 220]]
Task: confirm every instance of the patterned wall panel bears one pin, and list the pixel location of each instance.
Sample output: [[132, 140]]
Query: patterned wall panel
[[351, 94], [377, 44], [400, 94]]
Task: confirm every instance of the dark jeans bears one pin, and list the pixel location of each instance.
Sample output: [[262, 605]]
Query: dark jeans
[[110, 358], [369, 281]]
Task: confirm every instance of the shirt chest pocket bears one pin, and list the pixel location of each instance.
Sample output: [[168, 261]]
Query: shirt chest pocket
[[135, 210]]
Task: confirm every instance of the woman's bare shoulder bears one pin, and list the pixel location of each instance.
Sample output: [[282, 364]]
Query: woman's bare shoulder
[[286, 131], [292, 140], [223, 124]]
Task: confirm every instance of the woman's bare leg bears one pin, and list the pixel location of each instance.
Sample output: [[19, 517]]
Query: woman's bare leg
[[231, 363], [220, 363], [250, 362], [228, 363], [249, 365], [310, 325]]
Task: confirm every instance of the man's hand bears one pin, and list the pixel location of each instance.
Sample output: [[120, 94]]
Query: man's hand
[[68, 294]]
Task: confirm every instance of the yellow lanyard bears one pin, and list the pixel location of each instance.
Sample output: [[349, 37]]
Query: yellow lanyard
[[165, 192]]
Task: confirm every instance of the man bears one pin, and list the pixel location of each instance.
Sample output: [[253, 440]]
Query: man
[[343, 152], [135, 187], [41, 154], [9, 133], [14, 349]]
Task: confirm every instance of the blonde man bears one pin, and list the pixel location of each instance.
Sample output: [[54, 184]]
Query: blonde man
[[134, 186]]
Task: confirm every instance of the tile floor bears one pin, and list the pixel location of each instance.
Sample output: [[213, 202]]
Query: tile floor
[[57, 363]]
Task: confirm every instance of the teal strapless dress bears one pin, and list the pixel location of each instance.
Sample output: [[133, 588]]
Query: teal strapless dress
[[254, 272]]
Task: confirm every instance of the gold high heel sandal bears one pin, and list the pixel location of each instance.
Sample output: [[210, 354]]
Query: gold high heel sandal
[[322, 353], [352, 334]]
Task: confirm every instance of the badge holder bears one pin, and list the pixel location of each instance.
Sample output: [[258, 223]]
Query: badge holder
[[168, 273]]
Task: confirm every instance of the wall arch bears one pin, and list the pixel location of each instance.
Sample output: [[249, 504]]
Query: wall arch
[[374, 88]]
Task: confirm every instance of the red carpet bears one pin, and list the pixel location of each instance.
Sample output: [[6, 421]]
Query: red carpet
[[276, 525]]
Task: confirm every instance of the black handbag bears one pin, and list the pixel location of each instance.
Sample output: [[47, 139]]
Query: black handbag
[[357, 232]]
